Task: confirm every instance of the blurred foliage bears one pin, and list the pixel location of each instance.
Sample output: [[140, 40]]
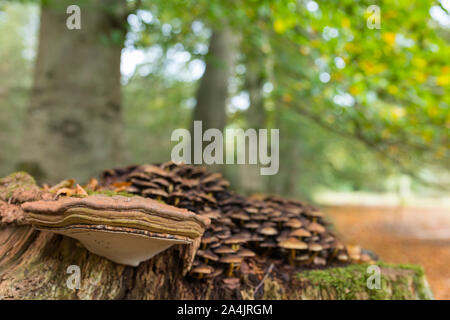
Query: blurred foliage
[[16, 53], [361, 104]]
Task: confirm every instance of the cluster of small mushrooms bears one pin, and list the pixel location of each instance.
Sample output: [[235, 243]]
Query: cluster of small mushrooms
[[166, 204]]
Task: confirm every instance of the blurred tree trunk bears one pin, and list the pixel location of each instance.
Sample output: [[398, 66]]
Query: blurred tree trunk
[[250, 179], [74, 122], [212, 93], [286, 182]]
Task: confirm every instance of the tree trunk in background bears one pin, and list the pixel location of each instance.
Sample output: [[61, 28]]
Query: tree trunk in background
[[255, 78], [74, 122], [250, 179], [287, 180], [212, 92]]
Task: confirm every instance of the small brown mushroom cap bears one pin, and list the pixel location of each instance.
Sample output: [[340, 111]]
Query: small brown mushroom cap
[[231, 258], [315, 227], [315, 247], [300, 233], [260, 217], [256, 238], [293, 243], [215, 273], [245, 253], [251, 210], [302, 258], [268, 244], [155, 192], [224, 250], [342, 257], [338, 245], [240, 216], [209, 239], [207, 254], [293, 223], [319, 261], [236, 239], [202, 269], [252, 225], [268, 231]]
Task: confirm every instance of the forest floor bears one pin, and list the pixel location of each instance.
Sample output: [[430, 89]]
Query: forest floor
[[412, 235]]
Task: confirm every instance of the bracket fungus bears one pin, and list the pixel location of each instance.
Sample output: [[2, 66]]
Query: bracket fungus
[[124, 230]]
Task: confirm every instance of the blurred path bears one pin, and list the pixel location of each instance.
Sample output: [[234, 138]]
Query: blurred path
[[401, 235]]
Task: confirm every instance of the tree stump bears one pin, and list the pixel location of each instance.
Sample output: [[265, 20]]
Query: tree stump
[[34, 265]]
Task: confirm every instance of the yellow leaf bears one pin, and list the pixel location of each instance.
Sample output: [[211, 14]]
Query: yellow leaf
[[420, 77], [279, 26], [392, 89], [354, 90], [389, 38], [419, 63], [443, 80], [345, 23]]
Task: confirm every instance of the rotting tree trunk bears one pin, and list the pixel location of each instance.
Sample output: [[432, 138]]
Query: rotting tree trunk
[[33, 265], [73, 124]]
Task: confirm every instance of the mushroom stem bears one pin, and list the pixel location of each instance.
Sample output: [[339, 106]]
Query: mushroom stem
[[292, 257], [333, 254], [310, 260], [230, 270]]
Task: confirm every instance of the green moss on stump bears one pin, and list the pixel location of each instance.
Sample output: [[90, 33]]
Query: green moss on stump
[[110, 193], [17, 180], [398, 282]]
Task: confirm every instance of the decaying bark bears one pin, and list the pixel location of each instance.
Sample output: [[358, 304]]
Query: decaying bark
[[34, 265]]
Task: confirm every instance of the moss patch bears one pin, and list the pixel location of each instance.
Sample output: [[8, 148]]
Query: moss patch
[[398, 282], [18, 180], [110, 193]]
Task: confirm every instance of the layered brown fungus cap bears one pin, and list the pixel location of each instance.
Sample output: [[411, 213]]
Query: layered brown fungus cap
[[126, 230]]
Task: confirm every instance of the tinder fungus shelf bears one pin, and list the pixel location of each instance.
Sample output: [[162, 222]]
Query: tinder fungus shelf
[[126, 230]]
